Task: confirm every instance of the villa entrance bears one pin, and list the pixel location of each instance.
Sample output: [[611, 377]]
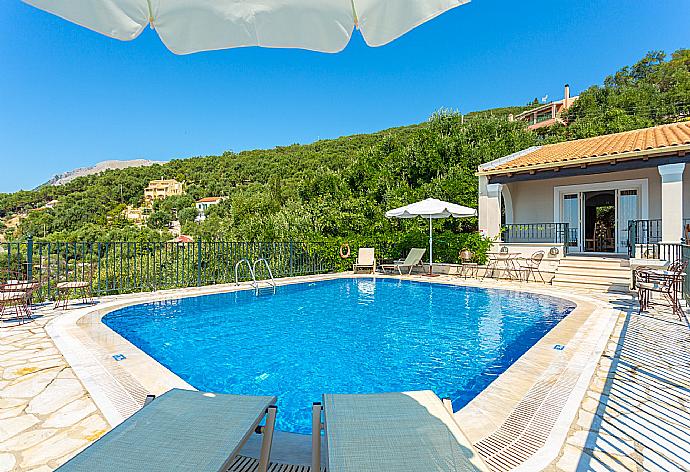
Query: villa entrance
[[600, 221], [598, 214]]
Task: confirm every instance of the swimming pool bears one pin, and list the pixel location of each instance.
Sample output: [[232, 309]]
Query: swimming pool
[[348, 335]]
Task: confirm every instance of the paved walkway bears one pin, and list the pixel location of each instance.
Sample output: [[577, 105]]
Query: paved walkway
[[46, 415], [636, 414]]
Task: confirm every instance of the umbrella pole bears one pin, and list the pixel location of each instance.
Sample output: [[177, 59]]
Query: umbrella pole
[[431, 247]]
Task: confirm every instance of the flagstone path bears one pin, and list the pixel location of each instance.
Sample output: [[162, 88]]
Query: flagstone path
[[46, 414]]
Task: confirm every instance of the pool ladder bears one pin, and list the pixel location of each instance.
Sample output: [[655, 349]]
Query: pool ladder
[[252, 272]]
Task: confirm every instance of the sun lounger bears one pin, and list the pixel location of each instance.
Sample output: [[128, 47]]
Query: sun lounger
[[181, 430], [412, 431], [413, 259], [365, 260]]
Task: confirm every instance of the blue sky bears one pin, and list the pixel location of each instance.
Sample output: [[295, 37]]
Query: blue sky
[[70, 97]]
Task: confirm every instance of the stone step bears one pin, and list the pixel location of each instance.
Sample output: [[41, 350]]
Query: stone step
[[591, 262], [622, 272], [592, 279], [616, 288]]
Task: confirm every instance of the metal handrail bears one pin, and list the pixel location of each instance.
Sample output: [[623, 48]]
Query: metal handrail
[[251, 272], [268, 267], [536, 232]]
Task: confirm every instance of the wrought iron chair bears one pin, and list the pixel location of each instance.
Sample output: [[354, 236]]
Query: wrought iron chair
[[80, 286], [531, 266], [667, 283], [16, 293], [467, 264]]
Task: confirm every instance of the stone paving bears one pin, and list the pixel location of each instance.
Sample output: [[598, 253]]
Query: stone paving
[[636, 414], [46, 415]]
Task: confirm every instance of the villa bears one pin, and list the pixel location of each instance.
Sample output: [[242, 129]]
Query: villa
[[203, 204], [162, 189], [549, 113], [591, 196]]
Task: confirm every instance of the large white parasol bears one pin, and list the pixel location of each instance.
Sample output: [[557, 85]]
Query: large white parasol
[[431, 209], [187, 26]]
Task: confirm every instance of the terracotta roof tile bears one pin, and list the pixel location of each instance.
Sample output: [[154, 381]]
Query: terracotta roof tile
[[570, 152]]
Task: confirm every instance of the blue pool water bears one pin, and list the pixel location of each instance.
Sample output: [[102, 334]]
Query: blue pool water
[[341, 336]]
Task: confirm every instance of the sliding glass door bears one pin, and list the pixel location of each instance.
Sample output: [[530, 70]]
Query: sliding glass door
[[627, 209], [571, 214]]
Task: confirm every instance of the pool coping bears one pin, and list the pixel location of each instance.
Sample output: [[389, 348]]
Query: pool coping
[[119, 387]]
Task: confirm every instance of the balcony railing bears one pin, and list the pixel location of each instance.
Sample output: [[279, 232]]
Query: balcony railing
[[644, 237], [554, 233]]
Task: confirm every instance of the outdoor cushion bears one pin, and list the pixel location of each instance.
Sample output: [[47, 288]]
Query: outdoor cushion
[[77, 284], [11, 296], [181, 430], [410, 432]]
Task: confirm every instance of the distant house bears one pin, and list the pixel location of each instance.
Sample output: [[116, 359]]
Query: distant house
[[204, 204], [138, 216], [182, 239], [548, 113], [51, 204], [162, 189]]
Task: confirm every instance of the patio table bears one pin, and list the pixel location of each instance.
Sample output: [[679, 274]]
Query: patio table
[[507, 259], [637, 265], [661, 275]]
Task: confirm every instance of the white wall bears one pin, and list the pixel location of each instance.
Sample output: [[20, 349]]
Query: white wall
[[533, 200]]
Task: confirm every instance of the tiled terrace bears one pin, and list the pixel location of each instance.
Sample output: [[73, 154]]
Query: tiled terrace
[[635, 416]]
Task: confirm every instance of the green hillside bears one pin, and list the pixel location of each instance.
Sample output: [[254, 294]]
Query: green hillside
[[340, 188]]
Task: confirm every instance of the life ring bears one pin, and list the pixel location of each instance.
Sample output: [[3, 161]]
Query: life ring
[[344, 251]]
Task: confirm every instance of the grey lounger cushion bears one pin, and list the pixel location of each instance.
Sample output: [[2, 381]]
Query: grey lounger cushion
[[411, 432], [181, 430]]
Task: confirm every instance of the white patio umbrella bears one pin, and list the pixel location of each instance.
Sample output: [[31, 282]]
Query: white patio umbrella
[[187, 26], [432, 209]]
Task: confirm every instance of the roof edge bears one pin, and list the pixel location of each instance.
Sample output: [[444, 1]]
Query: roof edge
[[505, 159], [587, 160]]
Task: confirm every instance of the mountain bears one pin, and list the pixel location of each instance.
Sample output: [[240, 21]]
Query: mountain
[[65, 177]]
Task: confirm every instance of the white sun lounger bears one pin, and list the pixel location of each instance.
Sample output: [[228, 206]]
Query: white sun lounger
[[413, 259], [184, 431], [411, 432], [365, 260]]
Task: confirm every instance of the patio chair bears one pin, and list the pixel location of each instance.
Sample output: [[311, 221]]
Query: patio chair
[[82, 287], [467, 264], [182, 430], [531, 266], [14, 300], [667, 283], [411, 431], [365, 260], [17, 292], [413, 259]]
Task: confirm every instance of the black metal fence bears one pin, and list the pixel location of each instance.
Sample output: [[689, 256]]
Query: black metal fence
[[127, 267], [556, 233], [644, 237]]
